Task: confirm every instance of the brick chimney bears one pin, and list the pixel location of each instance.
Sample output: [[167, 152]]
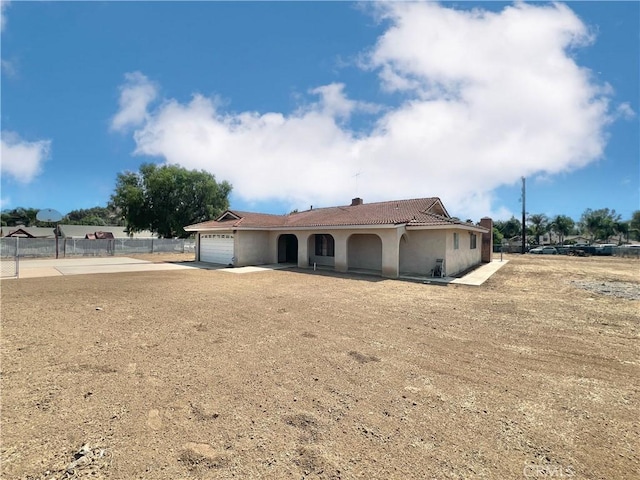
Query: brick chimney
[[356, 201], [487, 239]]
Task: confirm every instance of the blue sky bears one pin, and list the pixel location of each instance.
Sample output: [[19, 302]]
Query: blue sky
[[289, 101]]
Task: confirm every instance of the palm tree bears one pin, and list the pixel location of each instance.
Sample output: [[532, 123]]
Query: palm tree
[[539, 225], [622, 229], [563, 226]]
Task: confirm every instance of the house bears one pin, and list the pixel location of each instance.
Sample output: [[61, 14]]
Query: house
[[28, 232], [403, 237], [101, 231]]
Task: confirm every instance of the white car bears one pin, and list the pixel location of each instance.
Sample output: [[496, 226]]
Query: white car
[[544, 251]]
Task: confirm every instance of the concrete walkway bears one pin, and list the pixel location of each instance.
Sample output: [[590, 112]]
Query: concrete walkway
[[476, 277]]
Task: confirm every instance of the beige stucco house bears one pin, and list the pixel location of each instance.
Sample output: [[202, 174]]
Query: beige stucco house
[[403, 237]]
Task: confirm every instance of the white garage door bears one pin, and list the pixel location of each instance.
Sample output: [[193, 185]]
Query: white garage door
[[216, 248]]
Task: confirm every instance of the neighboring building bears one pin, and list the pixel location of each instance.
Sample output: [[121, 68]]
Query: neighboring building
[[579, 239], [101, 231], [28, 232], [404, 237]]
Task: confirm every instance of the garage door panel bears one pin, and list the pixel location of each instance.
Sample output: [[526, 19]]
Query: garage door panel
[[216, 248]]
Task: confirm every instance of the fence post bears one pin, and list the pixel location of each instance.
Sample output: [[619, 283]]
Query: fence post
[[152, 245]]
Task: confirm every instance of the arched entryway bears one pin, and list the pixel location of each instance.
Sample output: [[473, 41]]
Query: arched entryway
[[364, 252], [288, 248]]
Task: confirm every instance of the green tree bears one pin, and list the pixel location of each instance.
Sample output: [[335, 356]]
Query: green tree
[[509, 228], [634, 225], [94, 216], [165, 199], [622, 230], [539, 225], [20, 216], [599, 224], [497, 236], [562, 225]]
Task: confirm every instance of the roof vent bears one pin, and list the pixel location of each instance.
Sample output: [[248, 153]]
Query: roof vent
[[356, 201]]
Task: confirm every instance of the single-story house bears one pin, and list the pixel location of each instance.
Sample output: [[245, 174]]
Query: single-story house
[[101, 231], [403, 237], [28, 232]]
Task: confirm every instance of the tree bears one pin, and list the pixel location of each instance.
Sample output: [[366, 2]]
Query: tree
[[634, 225], [621, 229], [165, 199], [539, 225], [510, 228], [562, 225], [94, 216], [20, 216], [497, 236], [599, 224]]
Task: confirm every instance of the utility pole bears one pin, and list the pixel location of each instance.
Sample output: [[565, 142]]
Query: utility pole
[[524, 219]]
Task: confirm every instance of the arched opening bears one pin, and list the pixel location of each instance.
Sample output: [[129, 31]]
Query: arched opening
[[288, 248], [321, 248], [364, 252], [405, 255]]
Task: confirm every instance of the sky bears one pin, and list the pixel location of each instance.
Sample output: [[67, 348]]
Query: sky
[[315, 103]]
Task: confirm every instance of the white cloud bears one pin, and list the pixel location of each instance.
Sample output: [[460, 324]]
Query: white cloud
[[490, 97], [135, 96], [22, 160], [3, 17], [625, 111]]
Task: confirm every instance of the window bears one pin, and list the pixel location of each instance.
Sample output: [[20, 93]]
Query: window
[[473, 240], [325, 245], [456, 241]]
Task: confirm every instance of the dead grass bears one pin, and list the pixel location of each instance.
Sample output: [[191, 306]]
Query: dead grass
[[290, 374]]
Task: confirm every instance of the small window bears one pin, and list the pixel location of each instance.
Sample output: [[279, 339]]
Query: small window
[[456, 241], [325, 245], [473, 241]]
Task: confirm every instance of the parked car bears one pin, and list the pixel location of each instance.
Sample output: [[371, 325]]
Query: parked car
[[605, 249], [544, 251]]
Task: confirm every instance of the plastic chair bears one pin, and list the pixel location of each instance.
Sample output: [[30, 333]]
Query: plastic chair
[[438, 270]]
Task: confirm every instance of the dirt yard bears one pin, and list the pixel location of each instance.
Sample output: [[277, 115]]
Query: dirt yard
[[198, 374]]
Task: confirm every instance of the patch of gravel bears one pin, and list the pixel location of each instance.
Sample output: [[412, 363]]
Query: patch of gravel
[[614, 289]]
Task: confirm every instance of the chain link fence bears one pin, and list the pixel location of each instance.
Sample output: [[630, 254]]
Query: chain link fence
[[9, 267], [9, 259], [14, 247]]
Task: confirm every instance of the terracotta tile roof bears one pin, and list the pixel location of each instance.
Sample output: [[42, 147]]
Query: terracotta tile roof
[[414, 212]]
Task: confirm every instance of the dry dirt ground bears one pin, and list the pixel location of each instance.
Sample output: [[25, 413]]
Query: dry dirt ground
[[290, 374]]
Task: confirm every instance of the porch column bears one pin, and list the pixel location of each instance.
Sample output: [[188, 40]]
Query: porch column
[[391, 253], [341, 262], [303, 249]]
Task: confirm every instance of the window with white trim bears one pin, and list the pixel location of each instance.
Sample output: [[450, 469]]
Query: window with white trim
[[456, 241], [473, 240]]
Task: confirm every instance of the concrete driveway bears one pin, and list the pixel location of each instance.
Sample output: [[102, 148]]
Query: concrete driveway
[[31, 268]]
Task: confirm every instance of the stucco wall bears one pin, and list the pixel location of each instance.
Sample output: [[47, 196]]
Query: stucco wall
[[464, 257], [252, 248], [419, 250], [364, 251]]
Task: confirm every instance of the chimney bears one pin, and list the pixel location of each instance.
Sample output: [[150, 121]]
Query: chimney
[[356, 201]]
